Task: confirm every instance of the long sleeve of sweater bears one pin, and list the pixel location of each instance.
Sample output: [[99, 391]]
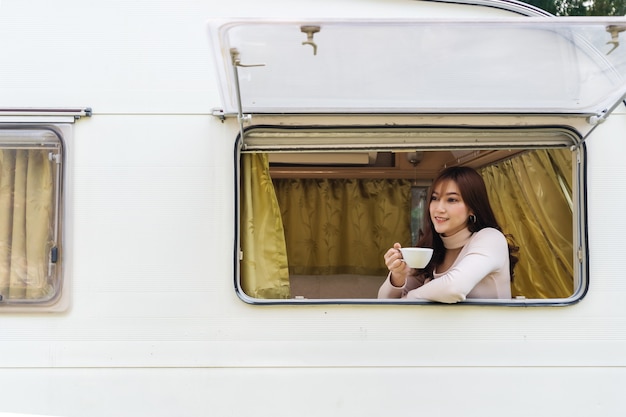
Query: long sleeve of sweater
[[480, 271]]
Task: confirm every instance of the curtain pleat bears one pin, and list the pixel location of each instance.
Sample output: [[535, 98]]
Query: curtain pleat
[[527, 193], [264, 267]]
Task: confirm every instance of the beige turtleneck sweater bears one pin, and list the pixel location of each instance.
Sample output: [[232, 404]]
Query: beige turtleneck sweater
[[481, 270]]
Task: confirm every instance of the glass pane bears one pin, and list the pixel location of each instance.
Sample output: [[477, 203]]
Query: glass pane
[[561, 65], [338, 221], [29, 248]]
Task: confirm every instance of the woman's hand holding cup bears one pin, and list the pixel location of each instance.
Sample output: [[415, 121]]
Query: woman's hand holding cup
[[396, 265]]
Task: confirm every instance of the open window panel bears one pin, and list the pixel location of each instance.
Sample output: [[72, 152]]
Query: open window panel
[[319, 208], [421, 66]]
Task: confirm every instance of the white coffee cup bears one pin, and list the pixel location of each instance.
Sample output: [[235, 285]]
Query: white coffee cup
[[416, 257]]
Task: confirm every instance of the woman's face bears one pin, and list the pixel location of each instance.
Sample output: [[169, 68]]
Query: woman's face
[[448, 211]]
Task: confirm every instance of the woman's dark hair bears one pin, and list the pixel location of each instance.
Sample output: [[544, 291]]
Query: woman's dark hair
[[474, 194]]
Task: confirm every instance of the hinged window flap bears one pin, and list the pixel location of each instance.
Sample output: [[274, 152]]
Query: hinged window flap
[[574, 66]]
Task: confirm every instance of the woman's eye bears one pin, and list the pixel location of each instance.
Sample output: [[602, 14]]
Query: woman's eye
[[452, 200]]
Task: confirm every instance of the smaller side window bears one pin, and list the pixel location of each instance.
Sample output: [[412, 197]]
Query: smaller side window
[[30, 241]]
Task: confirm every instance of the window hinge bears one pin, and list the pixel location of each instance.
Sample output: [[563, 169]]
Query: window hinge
[[597, 119]]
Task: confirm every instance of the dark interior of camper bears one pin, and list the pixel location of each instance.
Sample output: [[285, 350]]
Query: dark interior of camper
[[338, 213]]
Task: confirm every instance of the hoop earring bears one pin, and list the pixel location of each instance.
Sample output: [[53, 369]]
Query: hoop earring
[[472, 218]]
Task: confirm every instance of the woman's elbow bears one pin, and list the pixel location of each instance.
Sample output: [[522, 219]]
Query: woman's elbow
[[448, 295], [451, 297]]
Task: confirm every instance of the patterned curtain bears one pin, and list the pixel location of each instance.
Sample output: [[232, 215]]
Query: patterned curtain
[[27, 210], [343, 226], [264, 271], [531, 195]]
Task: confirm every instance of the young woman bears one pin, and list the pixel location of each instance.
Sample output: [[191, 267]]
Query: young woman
[[471, 256]]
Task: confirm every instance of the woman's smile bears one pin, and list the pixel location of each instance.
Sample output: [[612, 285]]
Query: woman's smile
[[448, 211]]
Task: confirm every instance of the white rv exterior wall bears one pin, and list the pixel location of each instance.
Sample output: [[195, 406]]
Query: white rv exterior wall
[[155, 327]]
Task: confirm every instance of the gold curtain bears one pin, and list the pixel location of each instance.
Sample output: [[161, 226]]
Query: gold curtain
[[264, 272], [528, 194], [26, 216], [343, 225]]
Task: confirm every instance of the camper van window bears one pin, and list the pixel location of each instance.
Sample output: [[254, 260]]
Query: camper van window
[[315, 226], [30, 252]]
